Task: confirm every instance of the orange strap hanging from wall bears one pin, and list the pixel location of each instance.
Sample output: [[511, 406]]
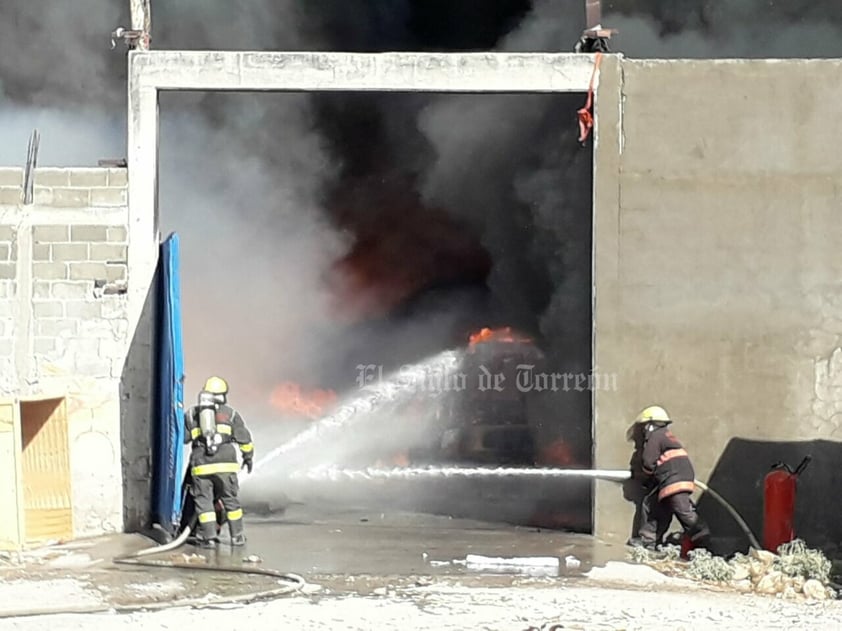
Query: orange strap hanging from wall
[[585, 116]]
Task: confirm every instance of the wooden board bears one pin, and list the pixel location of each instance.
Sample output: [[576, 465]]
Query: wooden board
[[45, 461]]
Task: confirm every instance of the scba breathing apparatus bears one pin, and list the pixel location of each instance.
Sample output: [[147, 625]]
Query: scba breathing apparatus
[[208, 406]]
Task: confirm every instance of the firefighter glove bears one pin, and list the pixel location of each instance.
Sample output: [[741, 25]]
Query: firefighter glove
[[248, 464]]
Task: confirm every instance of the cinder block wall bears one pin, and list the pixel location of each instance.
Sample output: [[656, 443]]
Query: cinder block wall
[[64, 329], [718, 276]]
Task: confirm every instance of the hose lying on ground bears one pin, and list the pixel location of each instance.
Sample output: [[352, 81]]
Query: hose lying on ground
[[136, 558], [295, 583]]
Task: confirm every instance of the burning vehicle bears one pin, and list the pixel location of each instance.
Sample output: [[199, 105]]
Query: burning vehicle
[[488, 411], [489, 419]]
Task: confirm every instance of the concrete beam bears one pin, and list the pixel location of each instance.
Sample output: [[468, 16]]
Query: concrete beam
[[151, 71], [380, 72]]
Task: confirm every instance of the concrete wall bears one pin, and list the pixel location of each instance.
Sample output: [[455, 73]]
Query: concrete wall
[[64, 328], [718, 274]]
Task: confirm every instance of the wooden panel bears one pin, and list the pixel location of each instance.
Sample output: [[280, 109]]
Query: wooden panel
[[46, 471], [9, 533], [43, 525]]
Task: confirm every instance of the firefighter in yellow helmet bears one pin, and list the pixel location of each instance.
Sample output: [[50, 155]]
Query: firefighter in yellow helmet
[[215, 430], [668, 480]]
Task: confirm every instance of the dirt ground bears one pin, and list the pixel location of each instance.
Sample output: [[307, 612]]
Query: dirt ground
[[451, 607]]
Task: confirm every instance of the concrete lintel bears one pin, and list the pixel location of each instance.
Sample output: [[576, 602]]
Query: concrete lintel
[[379, 72]]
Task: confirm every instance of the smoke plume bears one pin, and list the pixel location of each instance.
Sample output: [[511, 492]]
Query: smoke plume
[[322, 231]]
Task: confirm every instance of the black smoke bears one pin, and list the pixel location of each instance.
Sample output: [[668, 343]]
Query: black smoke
[[272, 192]]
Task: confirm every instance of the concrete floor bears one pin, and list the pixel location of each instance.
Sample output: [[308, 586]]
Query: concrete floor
[[343, 551], [320, 544]]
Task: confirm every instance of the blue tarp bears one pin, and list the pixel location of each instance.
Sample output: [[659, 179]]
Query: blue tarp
[[169, 429]]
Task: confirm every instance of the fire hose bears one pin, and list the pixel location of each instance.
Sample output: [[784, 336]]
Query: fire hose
[[740, 521], [620, 476], [294, 583]]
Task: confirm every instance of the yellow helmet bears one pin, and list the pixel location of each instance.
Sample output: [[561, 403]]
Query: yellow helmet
[[654, 413], [216, 385]]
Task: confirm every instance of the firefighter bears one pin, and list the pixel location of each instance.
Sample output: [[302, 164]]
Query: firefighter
[[215, 429], [668, 482]]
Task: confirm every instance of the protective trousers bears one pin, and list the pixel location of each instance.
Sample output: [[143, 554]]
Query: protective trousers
[[656, 517], [206, 489]]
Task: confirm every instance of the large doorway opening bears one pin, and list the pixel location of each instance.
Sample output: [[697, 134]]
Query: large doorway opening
[[324, 232], [45, 466]]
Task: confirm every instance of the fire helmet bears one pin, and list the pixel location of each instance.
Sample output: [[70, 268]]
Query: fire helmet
[[216, 385], [653, 414]]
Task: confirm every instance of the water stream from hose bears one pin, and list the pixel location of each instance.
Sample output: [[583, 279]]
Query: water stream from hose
[[376, 397], [333, 474]]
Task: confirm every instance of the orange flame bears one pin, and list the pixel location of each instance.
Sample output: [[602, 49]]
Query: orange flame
[[397, 460], [291, 398], [504, 334], [558, 454]]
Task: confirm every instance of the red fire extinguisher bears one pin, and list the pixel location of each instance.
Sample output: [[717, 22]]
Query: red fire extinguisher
[[779, 504], [686, 546]]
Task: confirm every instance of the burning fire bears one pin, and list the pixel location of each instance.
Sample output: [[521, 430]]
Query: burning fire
[[504, 334], [291, 398], [399, 459], [558, 454]]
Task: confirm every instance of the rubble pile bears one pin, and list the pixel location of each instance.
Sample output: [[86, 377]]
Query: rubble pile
[[795, 572]]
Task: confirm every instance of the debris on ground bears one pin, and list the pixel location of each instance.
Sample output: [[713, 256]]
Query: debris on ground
[[795, 572], [476, 559], [641, 575], [547, 566]]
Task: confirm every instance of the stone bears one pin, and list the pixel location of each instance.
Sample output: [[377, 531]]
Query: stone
[[757, 570], [118, 177], [88, 271], [117, 234], [742, 571], [789, 592], [84, 178], [763, 555], [772, 583], [744, 586], [70, 252], [88, 233], [50, 234], [108, 197], [51, 177], [815, 590], [71, 197]]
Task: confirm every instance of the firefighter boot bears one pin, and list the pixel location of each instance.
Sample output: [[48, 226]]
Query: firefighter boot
[[641, 542], [235, 528]]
